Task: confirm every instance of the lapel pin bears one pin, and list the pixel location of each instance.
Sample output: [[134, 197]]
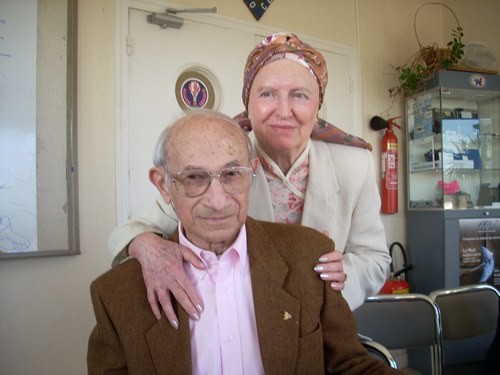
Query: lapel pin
[[287, 315]]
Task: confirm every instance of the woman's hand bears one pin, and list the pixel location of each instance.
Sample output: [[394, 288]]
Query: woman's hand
[[331, 269], [162, 268]]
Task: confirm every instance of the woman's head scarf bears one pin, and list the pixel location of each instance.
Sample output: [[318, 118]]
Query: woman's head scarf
[[284, 46], [289, 46]]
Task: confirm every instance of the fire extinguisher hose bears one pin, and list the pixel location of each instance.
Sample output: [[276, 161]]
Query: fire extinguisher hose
[[406, 266]]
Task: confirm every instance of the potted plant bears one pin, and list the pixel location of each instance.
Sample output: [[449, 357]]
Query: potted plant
[[421, 66]]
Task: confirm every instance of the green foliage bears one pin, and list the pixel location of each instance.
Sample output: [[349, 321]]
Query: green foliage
[[411, 77], [456, 46]]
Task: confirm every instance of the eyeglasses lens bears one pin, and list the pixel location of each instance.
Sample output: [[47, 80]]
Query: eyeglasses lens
[[235, 180]]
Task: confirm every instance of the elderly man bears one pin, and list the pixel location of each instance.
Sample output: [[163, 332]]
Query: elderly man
[[265, 309]]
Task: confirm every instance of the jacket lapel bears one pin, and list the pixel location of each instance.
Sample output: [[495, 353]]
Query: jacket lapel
[[276, 311], [168, 358], [260, 207], [322, 188]]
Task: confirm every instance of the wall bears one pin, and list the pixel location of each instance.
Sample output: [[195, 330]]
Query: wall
[[45, 309]]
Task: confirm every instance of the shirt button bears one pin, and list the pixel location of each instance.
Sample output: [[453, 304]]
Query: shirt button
[[230, 338]]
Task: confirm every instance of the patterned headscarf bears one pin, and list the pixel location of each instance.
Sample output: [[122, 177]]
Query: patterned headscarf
[[288, 46], [284, 46]]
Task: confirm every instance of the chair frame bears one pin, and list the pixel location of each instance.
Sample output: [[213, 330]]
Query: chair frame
[[379, 351], [397, 299], [454, 337]]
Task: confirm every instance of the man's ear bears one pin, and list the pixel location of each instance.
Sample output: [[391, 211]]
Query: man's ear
[[159, 179]]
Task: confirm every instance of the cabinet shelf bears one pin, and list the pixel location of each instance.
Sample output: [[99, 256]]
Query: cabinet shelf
[[425, 166], [457, 165]]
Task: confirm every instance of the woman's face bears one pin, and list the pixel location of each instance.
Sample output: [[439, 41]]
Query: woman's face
[[283, 107]]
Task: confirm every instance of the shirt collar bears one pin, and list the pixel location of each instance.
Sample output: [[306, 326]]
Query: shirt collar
[[239, 246]]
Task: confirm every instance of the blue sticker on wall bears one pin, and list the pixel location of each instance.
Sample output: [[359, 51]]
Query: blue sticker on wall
[[258, 7]]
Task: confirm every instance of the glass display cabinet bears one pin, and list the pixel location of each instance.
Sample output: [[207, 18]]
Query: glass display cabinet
[[453, 180]]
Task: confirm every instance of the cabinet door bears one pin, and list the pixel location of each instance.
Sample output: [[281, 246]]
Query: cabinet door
[[454, 146]]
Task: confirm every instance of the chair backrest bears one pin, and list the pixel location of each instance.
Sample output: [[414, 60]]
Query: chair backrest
[[404, 321], [469, 316]]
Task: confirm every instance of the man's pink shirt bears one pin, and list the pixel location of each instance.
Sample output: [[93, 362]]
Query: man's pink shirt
[[224, 340]]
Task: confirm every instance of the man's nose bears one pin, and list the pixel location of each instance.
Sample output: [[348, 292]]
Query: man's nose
[[216, 193]]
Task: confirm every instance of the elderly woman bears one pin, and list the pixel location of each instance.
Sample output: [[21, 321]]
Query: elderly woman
[[329, 186]]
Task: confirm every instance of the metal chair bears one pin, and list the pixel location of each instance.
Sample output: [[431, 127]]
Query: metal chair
[[379, 351], [469, 322], [404, 321]]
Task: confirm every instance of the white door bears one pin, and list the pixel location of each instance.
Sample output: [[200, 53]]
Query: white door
[[154, 60]]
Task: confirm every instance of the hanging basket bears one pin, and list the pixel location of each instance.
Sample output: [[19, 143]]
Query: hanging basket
[[434, 56], [412, 76]]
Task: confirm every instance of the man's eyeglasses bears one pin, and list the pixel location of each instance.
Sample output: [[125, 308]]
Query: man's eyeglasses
[[195, 182]]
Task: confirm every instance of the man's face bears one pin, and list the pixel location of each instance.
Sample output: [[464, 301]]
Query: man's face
[[212, 220]]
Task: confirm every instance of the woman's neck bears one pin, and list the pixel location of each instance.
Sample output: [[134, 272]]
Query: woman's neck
[[284, 161]]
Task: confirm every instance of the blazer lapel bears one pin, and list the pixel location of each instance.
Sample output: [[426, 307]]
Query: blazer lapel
[[322, 188], [170, 349], [276, 311], [261, 207]]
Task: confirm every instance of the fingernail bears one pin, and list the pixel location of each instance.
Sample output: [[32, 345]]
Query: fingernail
[[199, 308], [196, 316], [318, 268], [323, 275], [323, 259], [175, 324]]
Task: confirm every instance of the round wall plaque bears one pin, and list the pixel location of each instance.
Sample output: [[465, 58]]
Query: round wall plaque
[[197, 88]]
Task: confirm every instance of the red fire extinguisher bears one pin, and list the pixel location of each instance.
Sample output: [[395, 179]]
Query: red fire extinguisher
[[389, 185], [395, 284]]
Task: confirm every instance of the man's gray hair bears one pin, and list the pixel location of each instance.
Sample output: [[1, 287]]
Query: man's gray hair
[[161, 151]]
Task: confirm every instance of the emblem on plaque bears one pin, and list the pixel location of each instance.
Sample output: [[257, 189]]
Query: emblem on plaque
[[197, 88]]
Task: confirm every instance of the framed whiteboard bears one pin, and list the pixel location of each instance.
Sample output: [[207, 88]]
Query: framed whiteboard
[[38, 169]]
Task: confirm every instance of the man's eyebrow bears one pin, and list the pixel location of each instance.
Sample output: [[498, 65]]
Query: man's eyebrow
[[232, 163]]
